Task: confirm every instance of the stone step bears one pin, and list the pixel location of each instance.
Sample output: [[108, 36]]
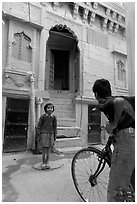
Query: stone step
[[66, 122], [61, 95], [63, 107], [68, 132], [69, 142], [59, 101], [64, 114]]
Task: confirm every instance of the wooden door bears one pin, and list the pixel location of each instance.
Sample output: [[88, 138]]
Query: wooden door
[[51, 72], [16, 125]]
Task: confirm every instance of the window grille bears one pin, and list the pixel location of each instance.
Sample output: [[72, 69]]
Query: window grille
[[121, 71]]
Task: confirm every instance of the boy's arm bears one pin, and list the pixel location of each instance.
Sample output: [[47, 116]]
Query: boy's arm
[[118, 109]]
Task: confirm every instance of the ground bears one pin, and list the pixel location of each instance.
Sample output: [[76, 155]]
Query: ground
[[21, 182]]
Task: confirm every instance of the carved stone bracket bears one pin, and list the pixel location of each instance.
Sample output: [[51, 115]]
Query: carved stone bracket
[[110, 28], [16, 80], [87, 3], [85, 15], [108, 12], [95, 5], [43, 3], [55, 5], [32, 78], [75, 10], [114, 15], [92, 18], [116, 27], [104, 24], [119, 17]]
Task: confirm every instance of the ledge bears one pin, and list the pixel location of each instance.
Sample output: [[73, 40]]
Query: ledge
[[119, 52], [9, 16], [85, 100]]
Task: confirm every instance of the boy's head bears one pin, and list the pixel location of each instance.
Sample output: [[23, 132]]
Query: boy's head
[[49, 108], [102, 88]]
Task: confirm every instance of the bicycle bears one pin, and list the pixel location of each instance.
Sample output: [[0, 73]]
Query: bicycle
[[90, 172]]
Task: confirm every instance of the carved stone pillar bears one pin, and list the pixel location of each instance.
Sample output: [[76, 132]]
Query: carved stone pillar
[[9, 54], [10, 40], [39, 101], [34, 51], [31, 135]]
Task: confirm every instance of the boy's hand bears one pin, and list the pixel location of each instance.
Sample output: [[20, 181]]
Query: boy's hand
[[109, 127]]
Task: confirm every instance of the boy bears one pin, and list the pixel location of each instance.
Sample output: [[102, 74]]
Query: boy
[[121, 123]]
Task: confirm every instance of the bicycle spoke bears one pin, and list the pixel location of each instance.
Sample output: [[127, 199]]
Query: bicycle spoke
[[85, 164]]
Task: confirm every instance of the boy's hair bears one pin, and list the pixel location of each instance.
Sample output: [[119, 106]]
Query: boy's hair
[[102, 87], [48, 104]]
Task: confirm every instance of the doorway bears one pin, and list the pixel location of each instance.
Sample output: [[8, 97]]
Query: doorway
[[16, 125], [61, 69], [62, 61]]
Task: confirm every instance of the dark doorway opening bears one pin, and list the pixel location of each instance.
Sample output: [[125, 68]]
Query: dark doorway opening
[[61, 69], [16, 125]]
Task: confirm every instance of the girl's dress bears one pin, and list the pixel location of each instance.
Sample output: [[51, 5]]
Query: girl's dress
[[47, 127]]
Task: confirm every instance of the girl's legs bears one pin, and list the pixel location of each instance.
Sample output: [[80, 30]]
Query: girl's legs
[[43, 154], [47, 155]]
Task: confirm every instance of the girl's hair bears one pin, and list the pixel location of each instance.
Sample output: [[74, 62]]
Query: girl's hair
[[102, 87], [48, 104]]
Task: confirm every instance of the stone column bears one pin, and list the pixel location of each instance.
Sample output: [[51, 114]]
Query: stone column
[[39, 101], [9, 54], [10, 41], [130, 38], [31, 136]]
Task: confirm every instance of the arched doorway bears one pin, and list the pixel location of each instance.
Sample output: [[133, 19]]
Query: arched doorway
[[62, 60]]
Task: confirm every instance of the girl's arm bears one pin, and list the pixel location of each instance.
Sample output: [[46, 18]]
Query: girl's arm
[[55, 127]]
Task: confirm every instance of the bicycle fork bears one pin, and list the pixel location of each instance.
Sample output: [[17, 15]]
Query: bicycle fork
[[93, 178]]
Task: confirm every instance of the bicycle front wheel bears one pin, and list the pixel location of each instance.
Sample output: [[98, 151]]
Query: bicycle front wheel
[[84, 165]]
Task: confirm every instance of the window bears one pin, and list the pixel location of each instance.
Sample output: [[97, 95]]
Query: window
[[121, 71], [21, 49]]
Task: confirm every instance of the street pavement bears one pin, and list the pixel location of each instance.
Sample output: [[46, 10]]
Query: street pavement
[[22, 181]]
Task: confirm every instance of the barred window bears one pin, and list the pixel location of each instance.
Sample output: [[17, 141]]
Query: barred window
[[21, 49]]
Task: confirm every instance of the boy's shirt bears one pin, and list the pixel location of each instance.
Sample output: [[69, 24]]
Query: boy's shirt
[[126, 119]]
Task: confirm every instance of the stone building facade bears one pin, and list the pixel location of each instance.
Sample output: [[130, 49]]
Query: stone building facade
[[53, 52]]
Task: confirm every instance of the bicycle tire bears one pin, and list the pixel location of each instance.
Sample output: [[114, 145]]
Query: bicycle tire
[[84, 163]]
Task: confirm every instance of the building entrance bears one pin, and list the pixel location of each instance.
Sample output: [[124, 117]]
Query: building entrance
[[62, 60], [61, 69], [16, 125]]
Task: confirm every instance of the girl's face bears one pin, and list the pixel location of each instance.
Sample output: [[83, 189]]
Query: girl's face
[[49, 109]]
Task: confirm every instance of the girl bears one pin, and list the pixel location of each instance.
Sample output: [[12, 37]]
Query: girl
[[47, 128]]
